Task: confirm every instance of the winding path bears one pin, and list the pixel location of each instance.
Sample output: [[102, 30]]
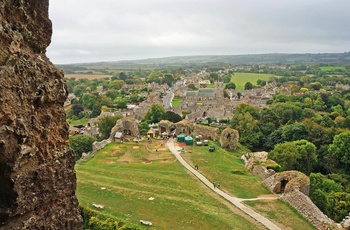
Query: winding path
[[234, 200]]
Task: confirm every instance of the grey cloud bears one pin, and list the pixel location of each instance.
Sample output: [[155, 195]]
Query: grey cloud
[[107, 30]]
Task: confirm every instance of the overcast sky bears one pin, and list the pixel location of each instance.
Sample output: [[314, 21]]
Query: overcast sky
[[113, 30]]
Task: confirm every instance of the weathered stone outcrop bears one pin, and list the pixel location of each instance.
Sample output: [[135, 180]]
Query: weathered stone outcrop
[[166, 126], [127, 126], [188, 128], [346, 222], [229, 138], [37, 177], [185, 127], [206, 132]]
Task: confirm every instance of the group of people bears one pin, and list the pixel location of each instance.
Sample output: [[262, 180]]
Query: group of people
[[214, 183], [216, 186]]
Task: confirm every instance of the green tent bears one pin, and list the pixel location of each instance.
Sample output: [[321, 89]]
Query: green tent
[[181, 138], [189, 140]]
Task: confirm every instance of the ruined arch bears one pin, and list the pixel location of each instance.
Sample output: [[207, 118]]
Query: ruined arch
[[229, 138]]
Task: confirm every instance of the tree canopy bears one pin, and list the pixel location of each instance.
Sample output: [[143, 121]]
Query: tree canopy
[[248, 85], [230, 85], [340, 148], [105, 125], [297, 155], [81, 144], [154, 114], [171, 116]]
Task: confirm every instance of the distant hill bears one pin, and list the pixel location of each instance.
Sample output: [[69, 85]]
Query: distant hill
[[205, 60], [248, 59]]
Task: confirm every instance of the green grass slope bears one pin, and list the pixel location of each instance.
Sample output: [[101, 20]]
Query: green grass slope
[[130, 179], [280, 211], [227, 168], [122, 178]]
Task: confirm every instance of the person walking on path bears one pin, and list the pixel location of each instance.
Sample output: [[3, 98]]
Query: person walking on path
[[234, 200], [214, 184], [196, 166]]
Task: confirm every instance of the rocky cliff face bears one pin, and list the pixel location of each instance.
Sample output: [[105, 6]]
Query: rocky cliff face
[[37, 177]]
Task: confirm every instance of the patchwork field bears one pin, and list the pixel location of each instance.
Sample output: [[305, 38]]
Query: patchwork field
[[144, 181], [332, 68], [241, 78], [87, 76]]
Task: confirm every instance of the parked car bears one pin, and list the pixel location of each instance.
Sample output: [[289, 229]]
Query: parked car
[[211, 148]]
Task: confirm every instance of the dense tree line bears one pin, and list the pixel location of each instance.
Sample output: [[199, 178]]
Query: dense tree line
[[307, 128], [303, 139]]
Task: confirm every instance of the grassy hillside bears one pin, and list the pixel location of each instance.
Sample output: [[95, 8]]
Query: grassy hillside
[[279, 210], [131, 175], [227, 168], [123, 178], [249, 59]]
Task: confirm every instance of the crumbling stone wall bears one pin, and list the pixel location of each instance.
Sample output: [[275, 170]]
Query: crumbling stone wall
[[229, 138], [37, 177], [207, 132], [294, 187], [308, 209], [255, 162], [294, 181], [97, 145], [185, 127], [164, 126]]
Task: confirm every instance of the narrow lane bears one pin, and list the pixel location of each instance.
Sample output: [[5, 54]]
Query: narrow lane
[[234, 200], [168, 99]]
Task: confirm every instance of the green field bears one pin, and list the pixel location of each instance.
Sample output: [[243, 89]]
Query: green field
[[241, 78], [332, 68], [176, 101], [122, 178], [132, 175], [82, 121], [211, 86]]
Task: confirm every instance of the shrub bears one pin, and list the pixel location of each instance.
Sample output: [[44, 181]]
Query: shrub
[[276, 167], [92, 221]]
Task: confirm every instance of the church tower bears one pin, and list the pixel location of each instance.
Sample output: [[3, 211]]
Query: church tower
[[219, 90]]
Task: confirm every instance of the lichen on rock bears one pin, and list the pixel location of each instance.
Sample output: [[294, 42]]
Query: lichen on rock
[[37, 176]]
